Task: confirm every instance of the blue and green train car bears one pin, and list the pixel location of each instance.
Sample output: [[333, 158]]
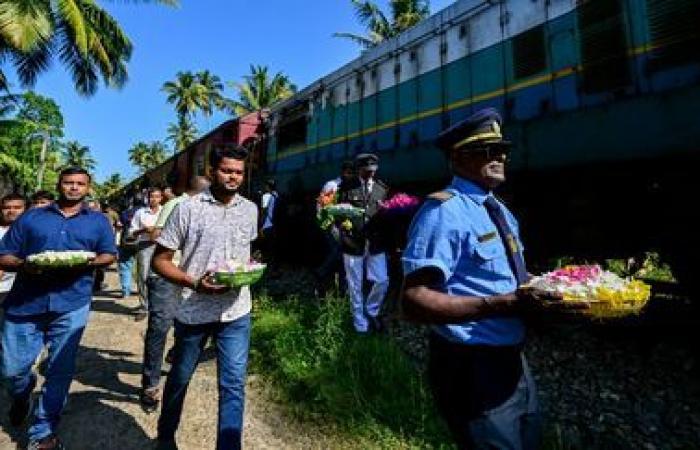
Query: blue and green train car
[[600, 97]]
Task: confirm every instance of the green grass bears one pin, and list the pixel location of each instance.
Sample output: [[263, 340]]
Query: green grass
[[364, 386]]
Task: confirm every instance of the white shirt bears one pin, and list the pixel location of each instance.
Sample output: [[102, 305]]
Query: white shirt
[[7, 278], [331, 186], [143, 218]]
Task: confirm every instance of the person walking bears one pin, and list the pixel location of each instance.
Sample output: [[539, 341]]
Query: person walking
[[363, 253], [210, 228], [332, 263], [49, 306], [268, 204], [464, 274], [127, 251], [141, 228], [11, 207], [161, 308], [41, 198]]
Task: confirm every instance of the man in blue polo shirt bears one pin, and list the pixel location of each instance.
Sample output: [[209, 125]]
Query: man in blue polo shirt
[[49, 306], [464, 270]]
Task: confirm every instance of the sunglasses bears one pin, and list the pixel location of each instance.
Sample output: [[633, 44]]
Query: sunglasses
[[491, 152]]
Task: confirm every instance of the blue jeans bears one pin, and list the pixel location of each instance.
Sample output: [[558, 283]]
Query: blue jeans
[[23, 338], [126, 268], [232, 342]]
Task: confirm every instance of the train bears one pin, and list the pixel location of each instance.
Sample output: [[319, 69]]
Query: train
[[601, 99]]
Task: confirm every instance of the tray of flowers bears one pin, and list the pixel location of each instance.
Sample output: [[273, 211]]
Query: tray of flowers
[[608, 295]]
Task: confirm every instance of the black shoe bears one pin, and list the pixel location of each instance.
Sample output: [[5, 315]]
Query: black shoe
[[21, 407], [166, 445], [376, 324], [170, 356], [48, 443], [148, 398]]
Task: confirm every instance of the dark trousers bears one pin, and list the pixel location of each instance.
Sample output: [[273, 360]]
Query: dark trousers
[[232, 342], [486, 395], [161, 312], [331, 265]]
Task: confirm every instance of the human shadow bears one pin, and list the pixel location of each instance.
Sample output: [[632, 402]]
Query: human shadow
[[111, 306], [101, 368], [90, 422]]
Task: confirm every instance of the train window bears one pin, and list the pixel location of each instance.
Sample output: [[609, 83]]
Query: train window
[[292, 128], [603, 43], [674, 34], [529, 54]]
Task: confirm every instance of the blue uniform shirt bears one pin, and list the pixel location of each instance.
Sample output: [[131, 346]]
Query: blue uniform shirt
[[41, 229], [458, 238]]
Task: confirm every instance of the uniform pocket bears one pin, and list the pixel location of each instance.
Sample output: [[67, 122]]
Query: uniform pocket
[[487, 251]]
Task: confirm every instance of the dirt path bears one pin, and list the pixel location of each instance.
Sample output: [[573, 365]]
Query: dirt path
[[103, 411]]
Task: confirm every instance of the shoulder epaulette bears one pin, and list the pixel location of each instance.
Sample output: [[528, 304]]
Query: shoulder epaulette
[[441, 196]]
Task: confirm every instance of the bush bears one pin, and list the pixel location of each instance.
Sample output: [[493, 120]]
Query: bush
[[363, 384]]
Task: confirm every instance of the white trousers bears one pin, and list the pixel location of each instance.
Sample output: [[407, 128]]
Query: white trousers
[[377, 274]]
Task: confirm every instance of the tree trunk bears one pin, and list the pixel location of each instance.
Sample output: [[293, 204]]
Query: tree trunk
[[42, 161]]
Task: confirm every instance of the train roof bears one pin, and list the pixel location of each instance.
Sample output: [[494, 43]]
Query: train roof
[[446, 17]]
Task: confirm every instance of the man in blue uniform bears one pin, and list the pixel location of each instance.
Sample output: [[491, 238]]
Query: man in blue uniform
[[464, 265]]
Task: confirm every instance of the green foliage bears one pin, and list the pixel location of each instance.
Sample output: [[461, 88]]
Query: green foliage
[[649, 267], [146, 156], [78, 155], [261, 91], [363, 384], [403, 14], [80, 34], [37, 121], [182, 133]]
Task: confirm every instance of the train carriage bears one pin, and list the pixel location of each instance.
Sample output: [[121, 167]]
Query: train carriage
[[600, 97]]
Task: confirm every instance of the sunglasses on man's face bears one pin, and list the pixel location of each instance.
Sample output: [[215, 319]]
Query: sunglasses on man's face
[[491, 152]]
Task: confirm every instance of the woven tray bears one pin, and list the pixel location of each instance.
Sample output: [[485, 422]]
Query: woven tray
[[605, 310]]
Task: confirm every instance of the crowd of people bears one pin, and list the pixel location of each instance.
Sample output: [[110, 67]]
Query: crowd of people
[[463, 274]]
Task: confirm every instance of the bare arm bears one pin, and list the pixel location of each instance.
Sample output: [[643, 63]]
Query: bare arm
[[162, 264], [103, 260], [423, 303], [10, 263]]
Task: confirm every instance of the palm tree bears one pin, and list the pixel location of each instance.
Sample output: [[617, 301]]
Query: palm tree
[[146, 156], [187, 94], [404, 15], [182, 133], [82, 35], [112, 184], [78, 155], [261, 91], [214, 89]]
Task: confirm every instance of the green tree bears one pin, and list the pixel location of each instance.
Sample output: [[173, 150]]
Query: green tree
[[187, 94], [402, 15], [145, 156], [111, 185], [78, 155], [182, 133], [260, 90], [32, 136], [214, 89], [83, 36]]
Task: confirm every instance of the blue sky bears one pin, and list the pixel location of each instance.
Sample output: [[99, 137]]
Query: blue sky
[[224, 36]]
